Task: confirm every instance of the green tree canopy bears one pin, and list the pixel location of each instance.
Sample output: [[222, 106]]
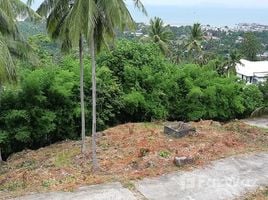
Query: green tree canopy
[[251, 46]]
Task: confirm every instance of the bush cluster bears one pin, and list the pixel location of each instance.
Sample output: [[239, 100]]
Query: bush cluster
[[134, 83]]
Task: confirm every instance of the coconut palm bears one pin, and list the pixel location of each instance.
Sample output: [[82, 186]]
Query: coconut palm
[[96, 20], [178, 52], [10, 39], [160, 34], [233, 59], [195, 39], [108, 15], [56, 12]]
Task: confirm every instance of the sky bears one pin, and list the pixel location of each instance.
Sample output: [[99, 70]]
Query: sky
[[213, 12]]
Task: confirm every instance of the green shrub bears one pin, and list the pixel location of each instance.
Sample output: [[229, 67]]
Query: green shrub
[[134, 83]]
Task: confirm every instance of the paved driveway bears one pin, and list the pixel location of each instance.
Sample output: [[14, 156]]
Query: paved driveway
[[261, 122]]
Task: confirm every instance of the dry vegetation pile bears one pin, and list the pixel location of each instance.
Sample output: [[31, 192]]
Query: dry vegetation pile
[[126, 152]]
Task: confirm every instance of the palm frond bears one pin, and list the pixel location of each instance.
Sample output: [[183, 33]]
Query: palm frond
[[259, 112], [7, 67]]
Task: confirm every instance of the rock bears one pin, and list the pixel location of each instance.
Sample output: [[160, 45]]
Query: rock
[[134, 165], [181, 161], [178, 129], [149, 164]]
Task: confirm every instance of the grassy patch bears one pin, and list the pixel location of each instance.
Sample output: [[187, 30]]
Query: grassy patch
[[261, 194], [64, 158], [164, 154], [27, 164], [12, 186]]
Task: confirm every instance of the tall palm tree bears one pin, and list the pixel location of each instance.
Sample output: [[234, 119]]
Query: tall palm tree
[[10, 38], [108, 15], [195, 39], [177, 51], [233, 59], [160, 34], [96, 20], [57, 11]]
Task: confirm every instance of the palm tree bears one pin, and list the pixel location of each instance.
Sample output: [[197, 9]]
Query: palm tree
[[108, 16], [177, 51], [233, 59], [160, 34], [57, 11], [96, 20], [10, 39], [195, 39]]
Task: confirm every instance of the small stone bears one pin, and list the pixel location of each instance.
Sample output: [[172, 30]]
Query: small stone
[[149, 164], [181, 161]]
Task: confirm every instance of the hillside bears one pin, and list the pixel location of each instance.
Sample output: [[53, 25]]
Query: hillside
[[125, 153], [28, 28]]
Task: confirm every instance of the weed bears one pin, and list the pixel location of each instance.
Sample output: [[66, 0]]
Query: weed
[[12, 186], [164, 154], [48, 183], [144, 152], [28, 164], [63, 159], [129, 185]]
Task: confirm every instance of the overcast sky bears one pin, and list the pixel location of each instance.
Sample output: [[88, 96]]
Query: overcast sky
[[226, 3], [214, 12]]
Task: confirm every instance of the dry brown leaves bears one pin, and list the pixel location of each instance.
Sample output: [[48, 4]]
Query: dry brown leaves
[[125, 152]]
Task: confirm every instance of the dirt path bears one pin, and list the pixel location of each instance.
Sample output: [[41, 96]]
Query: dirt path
[[224, 179]]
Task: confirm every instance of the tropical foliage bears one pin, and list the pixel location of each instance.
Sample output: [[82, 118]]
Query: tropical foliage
[[11, 42], [160, 34], [251, 46], [165, 78], [195, 39], [135, 83]]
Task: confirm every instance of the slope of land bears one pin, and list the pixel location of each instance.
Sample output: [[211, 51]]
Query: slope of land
[[224, 179], [126, 152], [261, 194]]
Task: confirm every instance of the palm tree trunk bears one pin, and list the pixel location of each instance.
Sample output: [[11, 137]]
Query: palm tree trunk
[[93, 63], [83, 130], [1, 159]]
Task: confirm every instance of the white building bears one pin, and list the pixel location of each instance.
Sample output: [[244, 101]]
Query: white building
[[252, 72]]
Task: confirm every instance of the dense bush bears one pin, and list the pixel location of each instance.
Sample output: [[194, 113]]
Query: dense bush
[[156, 89], [264, 89], [134, 83], [45, 106]]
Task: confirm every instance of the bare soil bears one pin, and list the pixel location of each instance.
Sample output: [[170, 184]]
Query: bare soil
[[126, 152]]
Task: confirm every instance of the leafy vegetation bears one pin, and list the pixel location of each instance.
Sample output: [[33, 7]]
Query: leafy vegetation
[[135, 83], [251, 46], [167, 77]]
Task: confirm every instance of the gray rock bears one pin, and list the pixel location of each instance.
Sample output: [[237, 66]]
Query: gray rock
[[178, 129], [181, 161]]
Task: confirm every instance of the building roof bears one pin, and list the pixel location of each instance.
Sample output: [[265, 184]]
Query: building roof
[[250, 68]]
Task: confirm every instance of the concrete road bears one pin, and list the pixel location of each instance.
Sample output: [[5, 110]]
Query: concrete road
[[261, 122], [224, 179], [113, 191]]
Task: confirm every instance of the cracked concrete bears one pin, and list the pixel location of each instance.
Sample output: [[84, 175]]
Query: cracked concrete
[[224, 179], [261, 122]]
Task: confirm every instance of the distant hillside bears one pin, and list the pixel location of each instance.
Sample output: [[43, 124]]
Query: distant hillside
[[28, 28]]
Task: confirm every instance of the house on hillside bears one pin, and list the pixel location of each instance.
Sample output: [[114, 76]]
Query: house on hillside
[[252, 72]]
